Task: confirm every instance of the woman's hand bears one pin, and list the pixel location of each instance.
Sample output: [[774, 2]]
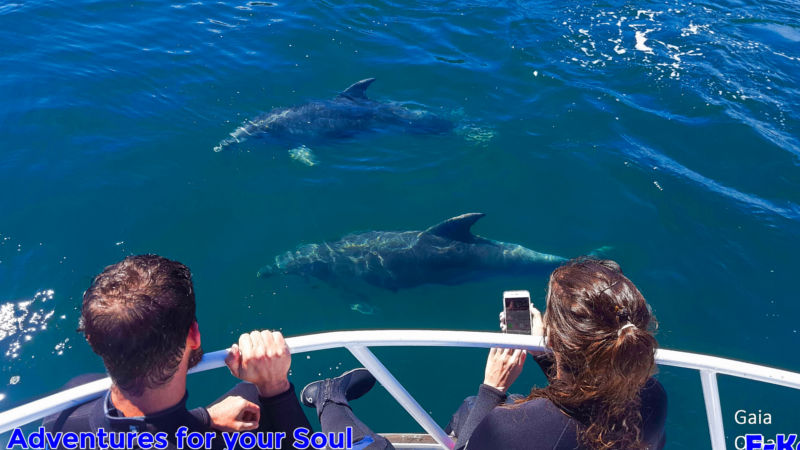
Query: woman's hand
[[503, 367], [537, 325]]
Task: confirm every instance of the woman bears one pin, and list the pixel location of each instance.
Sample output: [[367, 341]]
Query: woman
[[600, 393], [600, 396]]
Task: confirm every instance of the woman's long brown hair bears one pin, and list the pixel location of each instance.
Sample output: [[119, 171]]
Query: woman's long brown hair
[[601, 331]]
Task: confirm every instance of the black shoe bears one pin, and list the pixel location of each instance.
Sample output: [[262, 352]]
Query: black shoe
[[347, 386]]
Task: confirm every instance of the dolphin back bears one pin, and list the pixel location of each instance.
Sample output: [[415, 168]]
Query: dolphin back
[[349, 113], [446, 253]]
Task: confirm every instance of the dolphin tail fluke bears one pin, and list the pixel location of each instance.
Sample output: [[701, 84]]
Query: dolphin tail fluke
[[266, 271], [363, 308]]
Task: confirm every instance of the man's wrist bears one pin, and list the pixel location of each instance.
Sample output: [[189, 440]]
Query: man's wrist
[[273, 388], [205, 416]]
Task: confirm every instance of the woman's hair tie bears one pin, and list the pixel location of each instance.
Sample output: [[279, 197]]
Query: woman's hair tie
[[627, 325]]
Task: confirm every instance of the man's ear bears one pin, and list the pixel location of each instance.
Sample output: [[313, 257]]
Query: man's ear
[[193, 338]]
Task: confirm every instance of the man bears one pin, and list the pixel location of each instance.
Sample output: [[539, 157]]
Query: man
[[139, 317]]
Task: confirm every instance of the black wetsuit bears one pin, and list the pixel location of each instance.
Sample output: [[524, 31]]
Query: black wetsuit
[[281, 413], [479, 423], [538, 424]]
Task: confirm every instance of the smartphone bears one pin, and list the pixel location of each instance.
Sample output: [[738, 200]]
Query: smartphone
[[517, 306]]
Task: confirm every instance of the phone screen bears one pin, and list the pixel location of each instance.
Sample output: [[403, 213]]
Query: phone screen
[[518, 315]]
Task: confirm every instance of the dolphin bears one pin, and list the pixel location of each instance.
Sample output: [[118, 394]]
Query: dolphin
[[345, 116], [447, 253]]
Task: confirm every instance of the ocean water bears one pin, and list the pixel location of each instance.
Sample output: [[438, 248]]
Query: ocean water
[[665, 130]]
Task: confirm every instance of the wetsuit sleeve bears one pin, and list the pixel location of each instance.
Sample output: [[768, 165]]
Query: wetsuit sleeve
[[488, 399], [654, 414], [202, 416], [282, 413]]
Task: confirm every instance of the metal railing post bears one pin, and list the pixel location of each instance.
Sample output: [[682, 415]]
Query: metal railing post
[[713, 409], [385, 378]]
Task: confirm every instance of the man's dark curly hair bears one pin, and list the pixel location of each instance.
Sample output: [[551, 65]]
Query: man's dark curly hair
[[136, 316]]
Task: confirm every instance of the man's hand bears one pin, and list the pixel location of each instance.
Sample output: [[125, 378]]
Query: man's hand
[[503, 367], [234, 414], [261, 358]]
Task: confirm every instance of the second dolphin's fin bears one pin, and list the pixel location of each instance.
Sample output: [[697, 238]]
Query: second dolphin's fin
[[358, 90], [457, 228], [601, 252]]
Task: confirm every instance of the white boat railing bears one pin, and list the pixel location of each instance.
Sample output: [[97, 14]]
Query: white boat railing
[[357, 342]]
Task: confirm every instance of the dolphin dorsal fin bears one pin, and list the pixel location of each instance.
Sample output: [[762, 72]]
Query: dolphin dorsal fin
[[457, 228], [358, 90]]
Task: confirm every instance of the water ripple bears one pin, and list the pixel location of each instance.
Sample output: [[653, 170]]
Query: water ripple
[[648, 157]]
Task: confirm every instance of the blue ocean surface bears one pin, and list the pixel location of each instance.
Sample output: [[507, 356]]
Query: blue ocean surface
[[667, 131]]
